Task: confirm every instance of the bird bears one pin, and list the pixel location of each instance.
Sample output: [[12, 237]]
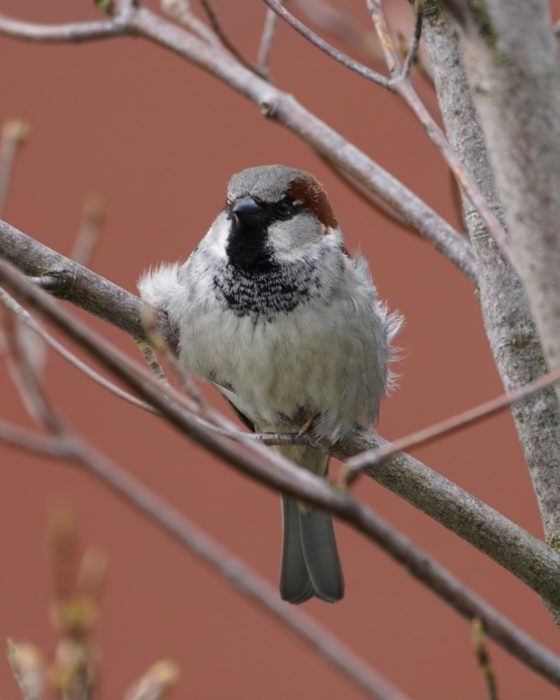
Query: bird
[[272, 309]]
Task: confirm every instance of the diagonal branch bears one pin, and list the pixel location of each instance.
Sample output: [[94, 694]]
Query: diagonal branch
[[284, 109], [325, 47], [526, 557], [73, 448], [277, 473], [371, 458], [57, 33]]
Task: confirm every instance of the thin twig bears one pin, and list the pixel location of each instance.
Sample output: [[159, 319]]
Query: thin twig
[[266, 44], [29, 670], [280, 107], [483, 659], [155, 683], [415, 42], [26, 318], [328, 18], [181, 11], [69, 32], [159, 343], [371, 458], [463, 177], [15, 133], [25, 375], [24, 439], [401, 84], [325, 47], [278, 474], [389, 51], [223, 37], [195, 540], [93, 218]]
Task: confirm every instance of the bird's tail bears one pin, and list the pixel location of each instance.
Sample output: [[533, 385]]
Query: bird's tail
[[310, 562]]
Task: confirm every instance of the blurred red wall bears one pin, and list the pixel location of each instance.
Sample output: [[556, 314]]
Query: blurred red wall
[[159, 138]]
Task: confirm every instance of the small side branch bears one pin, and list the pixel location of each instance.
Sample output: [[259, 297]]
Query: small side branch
[[371, 458], [483, 660], [339, 56], [56, 33], [14, 134]]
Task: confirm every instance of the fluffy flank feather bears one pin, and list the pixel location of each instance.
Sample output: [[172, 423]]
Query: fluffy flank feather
[[159, 285], [393, 321]]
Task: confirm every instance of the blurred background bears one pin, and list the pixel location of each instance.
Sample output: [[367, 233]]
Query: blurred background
[[158, 139]]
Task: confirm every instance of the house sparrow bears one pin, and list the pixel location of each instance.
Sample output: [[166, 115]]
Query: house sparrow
[[273, 311]]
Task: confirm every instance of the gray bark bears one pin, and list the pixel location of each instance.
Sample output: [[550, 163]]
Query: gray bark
[[511, 62], [508, 322]]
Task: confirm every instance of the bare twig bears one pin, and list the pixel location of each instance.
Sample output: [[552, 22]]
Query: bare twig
[[223, 37], [285, 110], [414, 43], [400, 84], [369, 459], [389, 51], [359, 68], [74, 658], [159, 343], [182, 12], [77, 584], [29, 670], [29, 321], [93, 218], [483, 659], [156, 682], [266, 44], [403, 87], [32, 442], [15, 133], [70, 32], [25, 374], [328, 18], [278, 474], [463, 177]]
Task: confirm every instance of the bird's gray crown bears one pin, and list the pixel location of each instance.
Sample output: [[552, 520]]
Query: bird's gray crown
[[269, 183]]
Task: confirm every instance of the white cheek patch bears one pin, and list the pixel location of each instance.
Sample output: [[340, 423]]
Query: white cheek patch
[[289, 238], [215, 240]]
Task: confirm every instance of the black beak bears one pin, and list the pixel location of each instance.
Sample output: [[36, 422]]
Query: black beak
[[248, 214]]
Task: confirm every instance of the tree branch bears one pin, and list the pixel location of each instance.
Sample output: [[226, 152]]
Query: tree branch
[[507, 319], [511, 61], [276, 473], [129, 489], [526, 557], [447, 426], [284, 109], [57, 33]]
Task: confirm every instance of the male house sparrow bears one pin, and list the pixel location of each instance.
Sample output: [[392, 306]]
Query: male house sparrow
[[274, 312]]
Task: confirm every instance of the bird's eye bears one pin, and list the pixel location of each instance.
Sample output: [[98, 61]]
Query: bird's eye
[[284, 209]]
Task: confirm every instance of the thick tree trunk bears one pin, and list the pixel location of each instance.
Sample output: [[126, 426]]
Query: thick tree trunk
[[508, 321]]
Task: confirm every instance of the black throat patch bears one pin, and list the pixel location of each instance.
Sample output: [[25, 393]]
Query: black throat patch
[[262, 293]]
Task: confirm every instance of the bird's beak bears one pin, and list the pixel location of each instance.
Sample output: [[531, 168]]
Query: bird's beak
[[248, 215]]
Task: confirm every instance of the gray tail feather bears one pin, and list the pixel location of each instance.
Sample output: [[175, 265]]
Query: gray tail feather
[[295, 584], [310, 562]]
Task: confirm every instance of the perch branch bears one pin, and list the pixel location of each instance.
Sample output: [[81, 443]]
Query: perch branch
[[276, 473]]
